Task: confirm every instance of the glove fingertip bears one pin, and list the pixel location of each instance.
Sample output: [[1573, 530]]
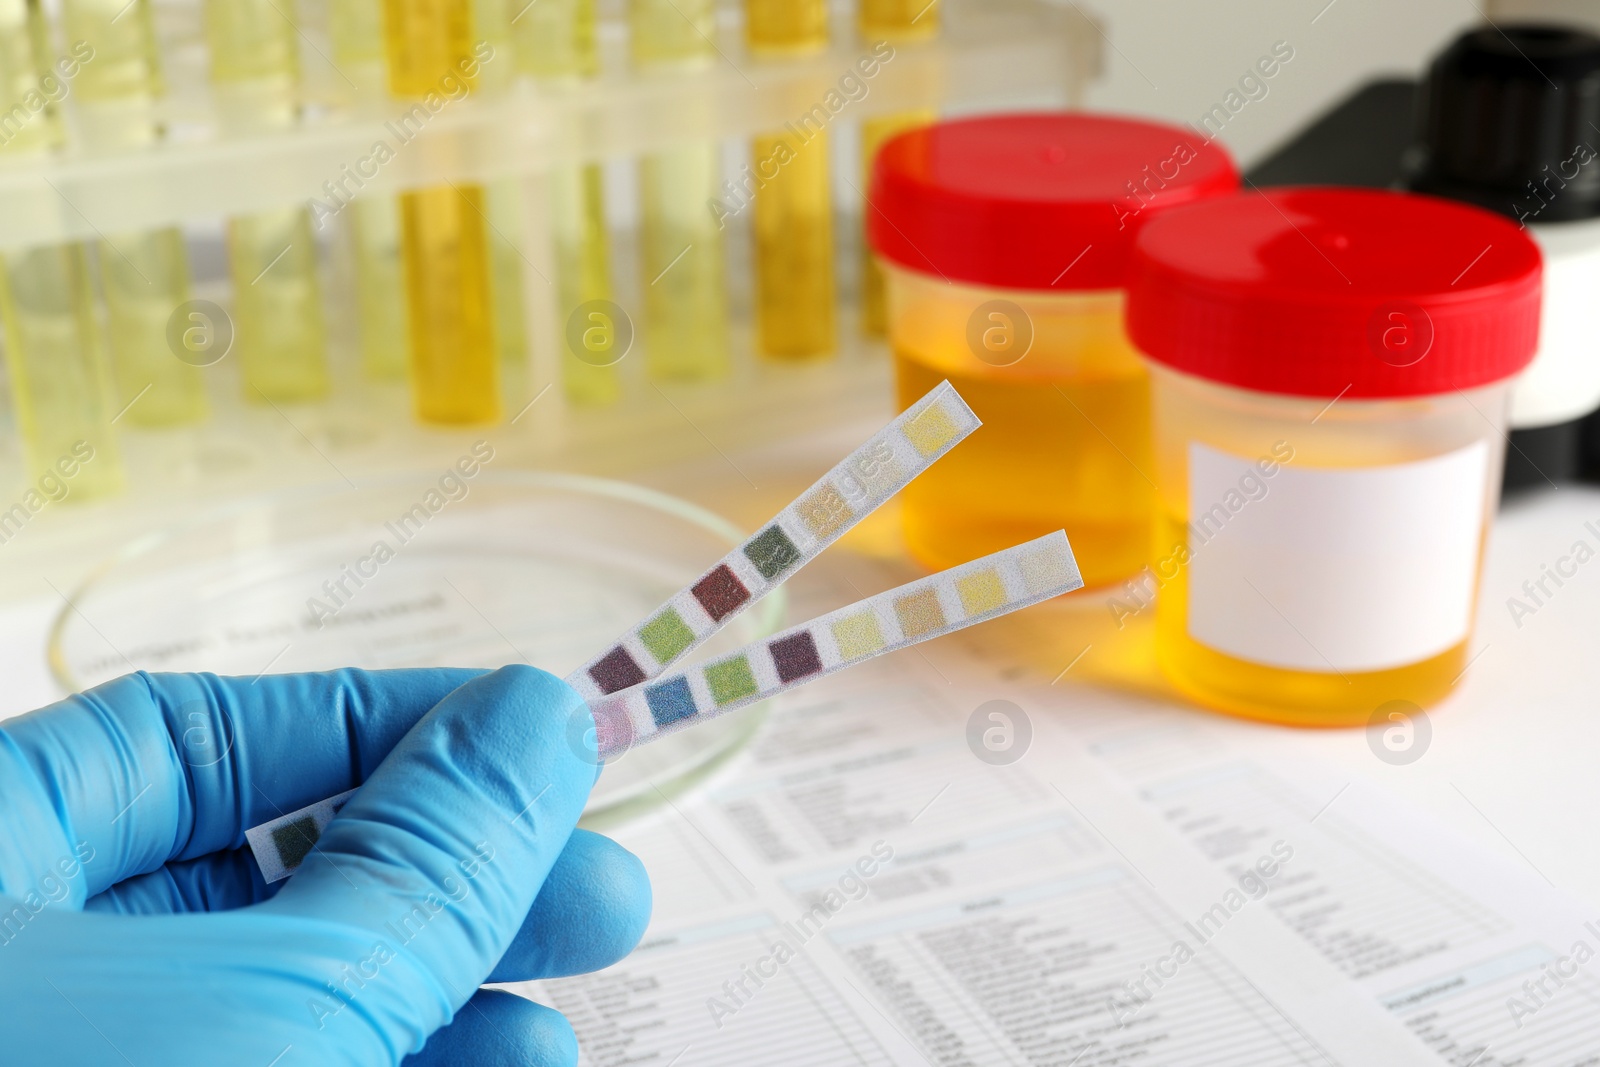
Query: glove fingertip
[[592, 911], [497, 1028]]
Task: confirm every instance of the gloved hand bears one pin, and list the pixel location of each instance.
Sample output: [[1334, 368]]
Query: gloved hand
[[134, 929]]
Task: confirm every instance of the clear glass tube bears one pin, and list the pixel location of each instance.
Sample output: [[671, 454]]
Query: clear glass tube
[[793, 225], [250, 41], [145, 277], [555, 39], [491, 26], [454, 363], [356, 29], [672, 34], [793, 208], [126, 65], [53, 353], [577, 214], [682, 263], [272, 256], [556, 44], [277, 306], [895, 21], [58, 369], [682, 266], [504, 199], [454, 359], [380, 287], [491, 20], [24, 59]]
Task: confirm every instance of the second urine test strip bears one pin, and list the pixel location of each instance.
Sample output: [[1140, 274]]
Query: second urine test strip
[[858, 485], [930, 607], [918, 611]]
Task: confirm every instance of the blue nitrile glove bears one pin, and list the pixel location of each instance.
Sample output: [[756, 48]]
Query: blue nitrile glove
[[134, 929]]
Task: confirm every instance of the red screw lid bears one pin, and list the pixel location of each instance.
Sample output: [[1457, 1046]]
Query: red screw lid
[[1330, 292], [1046, 200]]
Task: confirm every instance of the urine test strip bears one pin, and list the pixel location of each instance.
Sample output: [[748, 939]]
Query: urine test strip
[[919, 611], [281, 845], [942, 603], [856, 486]]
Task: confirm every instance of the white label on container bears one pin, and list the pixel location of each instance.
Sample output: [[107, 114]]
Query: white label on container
[[1563, 381], [1334, 569]]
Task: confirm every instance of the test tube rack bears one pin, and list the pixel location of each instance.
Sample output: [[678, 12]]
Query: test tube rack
[[991, 54]]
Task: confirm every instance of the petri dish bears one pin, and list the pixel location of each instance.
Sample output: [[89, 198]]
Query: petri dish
[[425, 569]]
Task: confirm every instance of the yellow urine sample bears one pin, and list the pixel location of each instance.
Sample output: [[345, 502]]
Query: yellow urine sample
[[424, 41], [556, 44], [1276, 694], [492, 30], [671, 33], [1065, 440], [24, 58], [1344, 438], [59, 380], [793, 208], [145, 278], [680, 245], [874, 294], [380, 287], [277, 306], [776, 27], [126, 64], [250, 41], [455, 373], [681, 261], [890, 20], [454, 362], [793, 224], [682, 267], [897, 20], [356, 30], [504, 200], [58, 369], [577, 216], [555, 39]]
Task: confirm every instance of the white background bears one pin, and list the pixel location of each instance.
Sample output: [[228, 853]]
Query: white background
[[1173, 59]]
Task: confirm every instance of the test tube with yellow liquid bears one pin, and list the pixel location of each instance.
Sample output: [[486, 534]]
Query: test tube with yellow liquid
[[892, 22], [53, 346], [556, 45], [272, 256], [356, 29], [492, 26], [454, 362], [145, 275], [793, 204], [682, 261], [383, 318], [503, 200]]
